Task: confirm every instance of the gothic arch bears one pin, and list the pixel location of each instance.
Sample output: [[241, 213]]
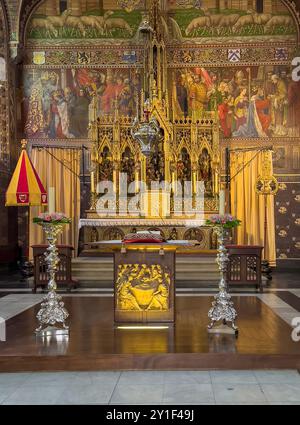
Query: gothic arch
[[4, 21], [295, 12]]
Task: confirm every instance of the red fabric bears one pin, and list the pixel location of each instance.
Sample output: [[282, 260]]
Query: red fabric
[[107, 97], [223, 111], [264, 118], [58, 130], [23, 182], [44, 196], [143, 238], [83, 77], [207, 78]]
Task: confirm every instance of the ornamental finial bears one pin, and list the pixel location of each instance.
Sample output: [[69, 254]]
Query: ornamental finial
[[23, 143]]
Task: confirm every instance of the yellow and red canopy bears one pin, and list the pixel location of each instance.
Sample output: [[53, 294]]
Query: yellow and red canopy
[[25, 187]]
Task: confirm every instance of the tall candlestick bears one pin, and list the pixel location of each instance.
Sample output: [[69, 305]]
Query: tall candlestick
[[222, 202], [51, 200]]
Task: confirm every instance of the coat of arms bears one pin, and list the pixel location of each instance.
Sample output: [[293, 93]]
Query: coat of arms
[[39, 58], [83, 58], [129, 56], [281, 53], [234, 55]]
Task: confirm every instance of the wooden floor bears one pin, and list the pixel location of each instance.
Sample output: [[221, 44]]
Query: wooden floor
[[95, 343]]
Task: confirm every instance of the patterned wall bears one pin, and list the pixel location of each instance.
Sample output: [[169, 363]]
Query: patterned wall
[[288, 220], [287, 202]]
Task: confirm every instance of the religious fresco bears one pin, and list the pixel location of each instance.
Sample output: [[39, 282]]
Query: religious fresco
[[231, 57], [57, 103], [217, 19], [82, 19], [251, 102]]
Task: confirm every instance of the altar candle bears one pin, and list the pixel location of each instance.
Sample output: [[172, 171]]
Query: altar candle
[[92, 182], [194, 182], [51, 200], [222, 202]]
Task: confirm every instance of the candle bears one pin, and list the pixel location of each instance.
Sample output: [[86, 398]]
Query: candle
[[51, 200], [92, 182], [222, 202]]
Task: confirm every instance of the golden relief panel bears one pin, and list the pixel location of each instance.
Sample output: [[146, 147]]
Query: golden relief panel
[[141, 287]]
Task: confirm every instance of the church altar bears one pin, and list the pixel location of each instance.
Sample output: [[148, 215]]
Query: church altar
[[172, 229], [144, 281]]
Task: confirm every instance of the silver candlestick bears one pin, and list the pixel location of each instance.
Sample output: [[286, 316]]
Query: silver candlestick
[[52, 314], [222, 306]]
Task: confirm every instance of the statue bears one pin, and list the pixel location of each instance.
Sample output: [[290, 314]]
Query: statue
[[155, 166], [173, 235], [128, 165], [205, 172], [94, 235], [184, 167], [105, 169]]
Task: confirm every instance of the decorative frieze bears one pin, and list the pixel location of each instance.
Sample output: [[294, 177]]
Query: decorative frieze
[[281, 54], [85, 57]]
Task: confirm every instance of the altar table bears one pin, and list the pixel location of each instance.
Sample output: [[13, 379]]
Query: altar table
[[144, 281]]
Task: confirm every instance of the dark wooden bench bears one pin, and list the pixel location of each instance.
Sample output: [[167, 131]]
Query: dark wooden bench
[[64, 272], [244, 266]]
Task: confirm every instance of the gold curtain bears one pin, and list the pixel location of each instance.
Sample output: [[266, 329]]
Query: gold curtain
[[249, 206], [56, 173]]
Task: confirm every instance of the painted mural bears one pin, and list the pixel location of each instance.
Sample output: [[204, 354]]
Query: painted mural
[[223, 19], [251, 102], [57, 103], [82, 19]]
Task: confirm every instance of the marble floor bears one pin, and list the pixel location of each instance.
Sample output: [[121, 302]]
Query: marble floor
[[265, 387], [152, 388], [12, 304]]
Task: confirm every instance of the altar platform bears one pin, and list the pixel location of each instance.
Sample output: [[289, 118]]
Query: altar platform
[[97, 343]]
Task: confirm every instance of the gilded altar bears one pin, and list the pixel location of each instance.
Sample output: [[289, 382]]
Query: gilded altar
[[163, 185], [189, 152]]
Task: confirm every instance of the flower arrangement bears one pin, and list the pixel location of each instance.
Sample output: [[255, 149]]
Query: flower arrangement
[[226, 221], [51, 218]]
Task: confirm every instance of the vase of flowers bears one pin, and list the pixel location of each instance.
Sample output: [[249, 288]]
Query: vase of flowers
[[52, 314], [222, 307]]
